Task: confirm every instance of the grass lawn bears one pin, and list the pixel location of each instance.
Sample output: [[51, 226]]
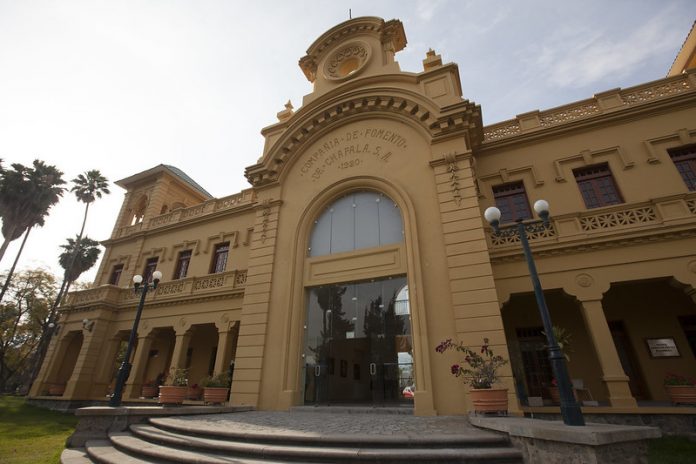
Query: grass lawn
[[672, 450], [31, 435]]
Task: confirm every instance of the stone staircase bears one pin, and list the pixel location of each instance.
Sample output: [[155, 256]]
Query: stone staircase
[[244, 440]]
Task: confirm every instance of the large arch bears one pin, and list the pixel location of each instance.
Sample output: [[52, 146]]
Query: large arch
[[297, 284]]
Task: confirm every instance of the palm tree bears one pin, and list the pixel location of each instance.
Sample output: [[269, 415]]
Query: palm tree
[[26, 195], [87, 187], [77, 259]]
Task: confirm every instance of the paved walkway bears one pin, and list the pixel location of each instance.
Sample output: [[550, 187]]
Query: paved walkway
[[331, 423]]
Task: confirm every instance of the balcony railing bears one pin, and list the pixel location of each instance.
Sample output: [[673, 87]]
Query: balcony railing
[[188, 288], [244, 197], [610, 223], [602, 103]]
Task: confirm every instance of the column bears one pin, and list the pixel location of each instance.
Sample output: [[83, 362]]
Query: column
[[104, 373], [226, 340], [135, 379], [79, 385], [613, 374], [181, 345]]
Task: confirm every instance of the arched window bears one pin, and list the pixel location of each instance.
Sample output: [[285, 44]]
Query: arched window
[[361, 219], [139, 210]]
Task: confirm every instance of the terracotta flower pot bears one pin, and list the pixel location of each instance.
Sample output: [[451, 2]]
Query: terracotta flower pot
[[169, 394], [681, 394], [215, 394], [489, 399], [148, 391]]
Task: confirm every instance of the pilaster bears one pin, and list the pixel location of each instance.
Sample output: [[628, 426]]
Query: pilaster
[[475, 306], [246, 384], [80, 384]]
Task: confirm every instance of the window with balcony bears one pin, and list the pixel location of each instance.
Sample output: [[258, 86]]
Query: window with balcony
[[182, 264], [511, 200], [597, 186], [220, 258], [150, 267], [684, 158], [116, 274]]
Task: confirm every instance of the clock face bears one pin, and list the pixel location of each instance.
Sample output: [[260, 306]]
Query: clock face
[[347, 61]]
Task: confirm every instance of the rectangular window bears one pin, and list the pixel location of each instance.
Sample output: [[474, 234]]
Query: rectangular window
[[597, 186], [150, 267], [182, 264], [220, 258], [684, 159], [116, 274], [511, 200]]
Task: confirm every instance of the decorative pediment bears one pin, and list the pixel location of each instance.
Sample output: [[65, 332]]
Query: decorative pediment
[[463, 119]]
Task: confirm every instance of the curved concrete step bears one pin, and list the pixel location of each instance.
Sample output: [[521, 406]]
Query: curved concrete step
[[103, 452], [473, 437], [75, 456], [155, 453], [374, 450]]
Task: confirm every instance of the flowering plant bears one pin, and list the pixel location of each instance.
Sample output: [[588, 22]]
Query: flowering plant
[[177, 377], [482, 370], [676, 379]]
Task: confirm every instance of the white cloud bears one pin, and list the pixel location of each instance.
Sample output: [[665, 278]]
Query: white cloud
[[579, 58]]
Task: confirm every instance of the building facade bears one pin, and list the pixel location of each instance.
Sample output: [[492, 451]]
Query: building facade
[[361, 245]]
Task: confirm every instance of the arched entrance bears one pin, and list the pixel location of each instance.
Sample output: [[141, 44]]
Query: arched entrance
[[358, 346]]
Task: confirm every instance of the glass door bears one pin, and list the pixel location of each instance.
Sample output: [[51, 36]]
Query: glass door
[[358, 343]]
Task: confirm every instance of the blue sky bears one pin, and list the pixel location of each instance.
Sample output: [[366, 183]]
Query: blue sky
[[123, 86]]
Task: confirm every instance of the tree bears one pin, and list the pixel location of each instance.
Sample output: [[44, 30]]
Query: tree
[[26, 195], [80, 257], [23, 320], [87, 188]]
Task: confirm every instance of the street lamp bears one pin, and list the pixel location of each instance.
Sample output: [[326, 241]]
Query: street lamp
[[570, 409], [125, 368]]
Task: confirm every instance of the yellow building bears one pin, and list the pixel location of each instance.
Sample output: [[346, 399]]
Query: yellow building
[[361, 245]]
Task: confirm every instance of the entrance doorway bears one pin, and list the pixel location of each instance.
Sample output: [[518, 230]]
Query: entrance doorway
[[358, 344]]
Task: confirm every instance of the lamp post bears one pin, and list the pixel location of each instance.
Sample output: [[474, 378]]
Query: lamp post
[[570, 409], [125, 368]]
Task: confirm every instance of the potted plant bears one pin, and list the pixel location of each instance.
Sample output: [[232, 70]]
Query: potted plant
[[681, 389], [149, 389], [216, 388], [175, 388], [194, 392], [480, 372]]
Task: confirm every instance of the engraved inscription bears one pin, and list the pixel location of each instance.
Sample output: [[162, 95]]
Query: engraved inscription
[[352, 149]]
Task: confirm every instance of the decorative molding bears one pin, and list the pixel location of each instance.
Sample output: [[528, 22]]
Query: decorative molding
[[265, 213], [584, 280], [587, 158], [596, 106], [461, 117], [507, 175], [233, 237], [659, 145], [192, 245], [451, 159]]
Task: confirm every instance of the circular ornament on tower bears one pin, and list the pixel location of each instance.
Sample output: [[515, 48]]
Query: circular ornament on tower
[[347, 61]]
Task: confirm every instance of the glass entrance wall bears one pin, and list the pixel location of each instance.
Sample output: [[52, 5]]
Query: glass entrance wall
[[358, 343]]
